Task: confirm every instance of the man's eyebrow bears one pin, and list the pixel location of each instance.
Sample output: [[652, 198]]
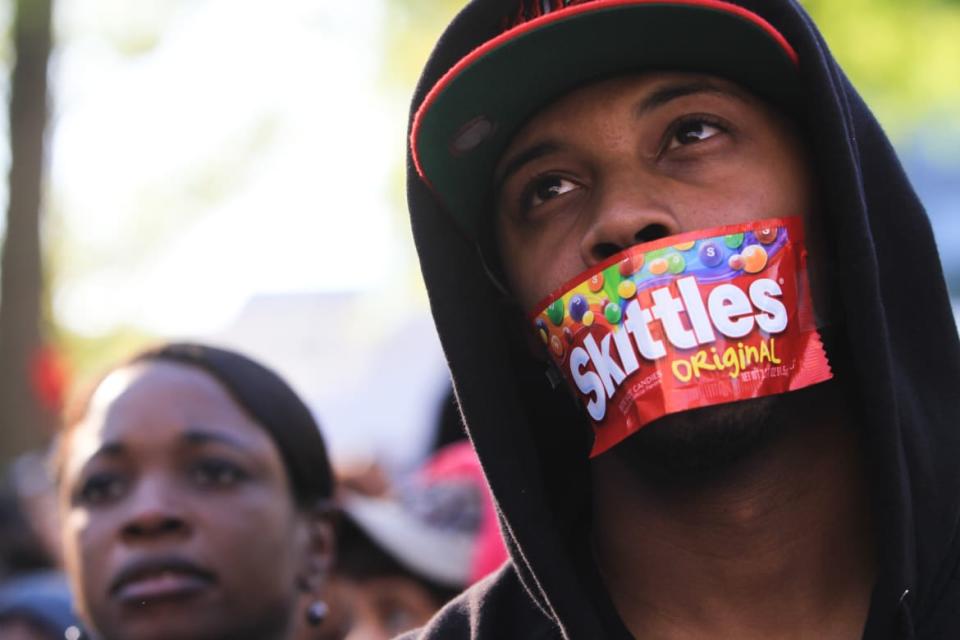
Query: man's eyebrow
[[197, 437], [521, 158], [671, 92]]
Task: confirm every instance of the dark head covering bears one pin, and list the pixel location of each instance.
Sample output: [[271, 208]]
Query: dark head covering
[[42, 598], [272, 403]]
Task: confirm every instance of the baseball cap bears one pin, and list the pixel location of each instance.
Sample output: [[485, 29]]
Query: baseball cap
[[440, 524], [548, 48]]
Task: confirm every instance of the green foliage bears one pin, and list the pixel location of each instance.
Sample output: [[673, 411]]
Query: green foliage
[[413, 28], [87, 358], [132, 27], [904, 57]]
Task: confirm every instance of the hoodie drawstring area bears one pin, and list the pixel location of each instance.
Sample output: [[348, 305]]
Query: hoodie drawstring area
[[905, 616]]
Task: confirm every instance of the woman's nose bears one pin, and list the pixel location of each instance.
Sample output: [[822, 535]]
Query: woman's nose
[[154, 512]]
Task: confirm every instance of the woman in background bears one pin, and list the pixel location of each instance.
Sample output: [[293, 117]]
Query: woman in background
[[405, 550], [194, 492], [37, 606]]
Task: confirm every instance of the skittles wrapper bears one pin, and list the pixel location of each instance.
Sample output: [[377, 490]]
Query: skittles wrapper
[[693, 320]]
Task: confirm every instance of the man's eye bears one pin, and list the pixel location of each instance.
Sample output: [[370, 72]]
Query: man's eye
[[215, 473], [101, 488], [691, 132], [547, 188]]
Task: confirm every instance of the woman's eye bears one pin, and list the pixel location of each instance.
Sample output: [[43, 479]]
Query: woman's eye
[[101, 488], [691, 132], [214, 473], [548, 188]]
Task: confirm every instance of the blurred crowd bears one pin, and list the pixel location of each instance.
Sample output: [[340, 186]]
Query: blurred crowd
[[189, 493]]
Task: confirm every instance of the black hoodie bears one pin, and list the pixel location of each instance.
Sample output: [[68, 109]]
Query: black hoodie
[[890, 308]]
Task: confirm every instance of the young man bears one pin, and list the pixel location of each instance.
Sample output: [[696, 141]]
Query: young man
[[552, 139]]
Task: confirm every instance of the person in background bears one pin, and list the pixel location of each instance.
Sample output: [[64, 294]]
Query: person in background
[[404, 553], [21, 550], [37, 606], [31, 480], [194, 491], [35, 601]]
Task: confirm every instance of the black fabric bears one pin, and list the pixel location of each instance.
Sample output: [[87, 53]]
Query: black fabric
[[891, 311], [517, 616], [449, 428]]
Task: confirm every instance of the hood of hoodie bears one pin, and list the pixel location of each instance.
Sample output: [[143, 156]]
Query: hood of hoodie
[[888, 302]]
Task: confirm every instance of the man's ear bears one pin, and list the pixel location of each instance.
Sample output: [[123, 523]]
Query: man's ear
[[319, 545]]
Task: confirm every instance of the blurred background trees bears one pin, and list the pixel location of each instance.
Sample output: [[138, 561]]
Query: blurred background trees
[[903, 56], [26, 413]]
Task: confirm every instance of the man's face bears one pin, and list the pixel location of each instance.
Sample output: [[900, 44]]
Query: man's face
[[632, 159], [635, 158]]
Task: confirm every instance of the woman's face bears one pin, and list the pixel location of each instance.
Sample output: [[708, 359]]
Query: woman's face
[[178, 516]]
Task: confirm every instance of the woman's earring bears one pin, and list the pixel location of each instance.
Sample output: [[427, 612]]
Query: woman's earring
[[317, 612]]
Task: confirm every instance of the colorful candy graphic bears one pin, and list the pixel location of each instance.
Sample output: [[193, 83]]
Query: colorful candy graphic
[[578, 307], [767, 235], [685, 246], [555, 312], [542, 331], [754, 258], [675, 263], [631, 265], [596, 282], [659, 266], [710, 254], [734, 240], [612, 313], [627, 289], [556, 346]]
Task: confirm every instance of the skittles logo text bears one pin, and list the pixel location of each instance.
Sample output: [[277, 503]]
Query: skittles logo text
[[728, 309], [684, 322]]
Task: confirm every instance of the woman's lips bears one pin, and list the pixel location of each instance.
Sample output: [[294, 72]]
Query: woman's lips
[[165, 585], [160, 578]]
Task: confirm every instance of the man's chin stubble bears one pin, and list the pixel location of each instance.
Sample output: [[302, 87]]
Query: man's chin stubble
[[693, 447]]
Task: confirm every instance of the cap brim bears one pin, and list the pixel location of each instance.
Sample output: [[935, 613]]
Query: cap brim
[[468, 118], [443, 556]]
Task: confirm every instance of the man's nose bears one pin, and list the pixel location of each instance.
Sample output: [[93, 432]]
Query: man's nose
[[625, 214], [155, 511]]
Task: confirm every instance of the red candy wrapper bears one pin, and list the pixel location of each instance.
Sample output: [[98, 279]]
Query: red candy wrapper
[[693, 320]]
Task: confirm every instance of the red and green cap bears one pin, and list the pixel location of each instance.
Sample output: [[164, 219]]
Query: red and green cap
[[550, 47]]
